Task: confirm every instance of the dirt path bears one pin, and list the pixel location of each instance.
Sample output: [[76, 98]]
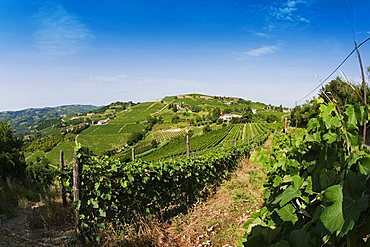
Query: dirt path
[[251, 128], [32, 227], [166, 106], [121, 128], [244, 130], [152, 105], [219, 221]]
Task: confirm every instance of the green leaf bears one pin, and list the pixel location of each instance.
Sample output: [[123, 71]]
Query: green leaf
[[327, 178], [352, 121], [330, 137], [277, 181], [345, 204], [297, 182], [288, 194], [102, 213], [353, 138], [364, 165], [354, 202], [95, 203], [299, 238], [360, 114], [332, 215], [287, 213]]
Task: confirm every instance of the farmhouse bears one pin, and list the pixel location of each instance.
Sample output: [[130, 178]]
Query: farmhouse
[[104, 121], [228, 117]]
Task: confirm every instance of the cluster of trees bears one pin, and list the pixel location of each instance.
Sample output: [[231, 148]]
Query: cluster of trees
[[12, 163], [337, 91], [116, 105], [135, 137], [39, 174], [46, 143]]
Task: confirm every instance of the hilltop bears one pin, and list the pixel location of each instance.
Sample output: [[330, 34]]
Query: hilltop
[[155, 129]]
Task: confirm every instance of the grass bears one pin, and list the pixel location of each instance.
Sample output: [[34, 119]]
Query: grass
[[13, 195], [114, 135], [219, 220], [54, 155]]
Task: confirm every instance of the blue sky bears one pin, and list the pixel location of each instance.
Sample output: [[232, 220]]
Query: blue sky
[[97, 52]]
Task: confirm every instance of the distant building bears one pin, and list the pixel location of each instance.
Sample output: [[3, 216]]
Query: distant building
[[287, 110], [101, 122], [254, 111], [228, 117]]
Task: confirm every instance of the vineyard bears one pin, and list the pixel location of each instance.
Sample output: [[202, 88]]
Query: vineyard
[[221, 137], [165, 135], [317, 193], [115, 193]]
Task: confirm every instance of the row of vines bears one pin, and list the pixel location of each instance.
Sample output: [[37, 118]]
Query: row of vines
[[318, 187], [116, 193]]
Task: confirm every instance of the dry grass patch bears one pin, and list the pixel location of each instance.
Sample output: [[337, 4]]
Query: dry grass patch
[[219, 221]]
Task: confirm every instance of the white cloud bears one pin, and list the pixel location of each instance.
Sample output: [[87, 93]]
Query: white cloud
[[263, 50], [261, 35], [290, 11], [60, 32]]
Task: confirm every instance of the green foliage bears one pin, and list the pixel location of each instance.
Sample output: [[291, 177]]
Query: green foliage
[[175, 119], [337, 91], [118, 192], [300, 115], [24, 121], [46, 143], [206, 129], [341, 93], [42, 173], [247, 113], [318, 187], [154, 144], [134, 138], [12, 163]]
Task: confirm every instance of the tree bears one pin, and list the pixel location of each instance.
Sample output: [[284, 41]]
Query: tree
[[342, 93], [12, 162], [175, 119], [206, 129], [134, 138], [337, 91], [154, 143], [247, 113]]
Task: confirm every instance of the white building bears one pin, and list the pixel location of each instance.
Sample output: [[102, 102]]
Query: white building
[[101, 122], [228, 117]]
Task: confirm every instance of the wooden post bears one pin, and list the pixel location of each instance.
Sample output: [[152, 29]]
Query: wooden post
[[234, 143], [187, 146], [76, 189], [285, 124], [364, 88], [133, 154], [62, 176]]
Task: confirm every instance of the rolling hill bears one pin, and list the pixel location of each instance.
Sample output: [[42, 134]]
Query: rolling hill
[[28, 120], [159, 127]]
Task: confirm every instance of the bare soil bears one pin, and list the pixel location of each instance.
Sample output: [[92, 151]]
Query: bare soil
[[38, 224]]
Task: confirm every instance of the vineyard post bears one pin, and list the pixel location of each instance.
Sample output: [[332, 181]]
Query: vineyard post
[[133, 154], [364, 87], [187, 146], [76, 188], [285, 124], [61, 167]]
